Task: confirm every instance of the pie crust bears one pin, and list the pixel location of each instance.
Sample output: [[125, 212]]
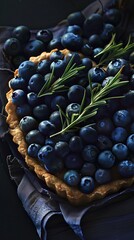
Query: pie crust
[[55, 183]]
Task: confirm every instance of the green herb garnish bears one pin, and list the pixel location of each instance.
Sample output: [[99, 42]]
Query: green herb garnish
[[114, 50], [49, 88], [98, 98]]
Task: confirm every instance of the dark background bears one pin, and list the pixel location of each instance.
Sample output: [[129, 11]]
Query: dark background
[[37, 14]]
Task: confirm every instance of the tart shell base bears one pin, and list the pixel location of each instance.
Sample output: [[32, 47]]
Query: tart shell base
[[73, 195]]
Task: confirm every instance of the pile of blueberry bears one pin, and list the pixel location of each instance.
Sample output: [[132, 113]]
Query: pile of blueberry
[[92, 155]]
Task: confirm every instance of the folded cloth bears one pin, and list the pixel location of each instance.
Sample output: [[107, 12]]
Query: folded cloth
[[49, 212]]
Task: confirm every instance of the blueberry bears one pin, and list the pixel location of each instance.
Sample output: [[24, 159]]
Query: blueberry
[[33, 150], [36, 82], [112, 16], [27, 69], [66, 136], [105, 126], [122, 118], [73, 161], [120, 150], [18, 83], [102, 176], [106, 80], [34, 136], [87, 50], [88, 134], [96, 51], [54, 165], [32, 99], [46, 153], [55, 119], [95, 41], [18, 97], [22, 33], [87, 63], [56, 55], [119, 134], [115, 65], [55, 43], [87, 184], [41, 112], [62, 149], [106, 159], [76, 18], [34, 48], [93, 24], [97, 74], [75, 144], [74, 57], [72, 108], [44, 35], [27, 123], [76, 93], [72, 178], [74, 29], [60, 101], [88, 169], [46, 127], [90, 153], [104, 143], [23, 110], [12, 46], [130, 142], [72, 41], [43, 67], [107, 32], [126, 168], [58, 66]]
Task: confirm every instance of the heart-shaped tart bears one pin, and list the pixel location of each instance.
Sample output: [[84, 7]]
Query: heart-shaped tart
[[70, 124]]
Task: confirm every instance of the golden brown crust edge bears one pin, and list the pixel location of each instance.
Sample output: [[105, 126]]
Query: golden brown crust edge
[[73, 195]]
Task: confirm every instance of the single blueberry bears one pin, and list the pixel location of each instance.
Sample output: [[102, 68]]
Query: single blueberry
[[27, 69], [58, 66], [105, 126], [74, 29], [120, 150], [56, 55], [23, 110], [22, 33], [60, 101], [33, 99], [18, 97], [54, 165], [130, 142], [72, 41], [12, 46], [46, 127], [76, 93], [46, 153], [72, 178], [97, 74], [122, 118], [76, 18], [44, 35], [62, 149], [75, 144], [34, 48], [90, 153], [106, 159], [106, 34], [33, 150], [93, 24], [115, 65], [88, 134], [43, 67], [18, 83], [119, 134], [112, 16], [87, 184], [28, 123], [95, 41], [72, 108], [41, 112], [55, 119], [126, 168], [103, 176], [55, 43], [34, 136]]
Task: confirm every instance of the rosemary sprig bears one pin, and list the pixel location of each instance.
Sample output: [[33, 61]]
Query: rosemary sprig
[[98, 98], [70, 71], [114, 50]]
